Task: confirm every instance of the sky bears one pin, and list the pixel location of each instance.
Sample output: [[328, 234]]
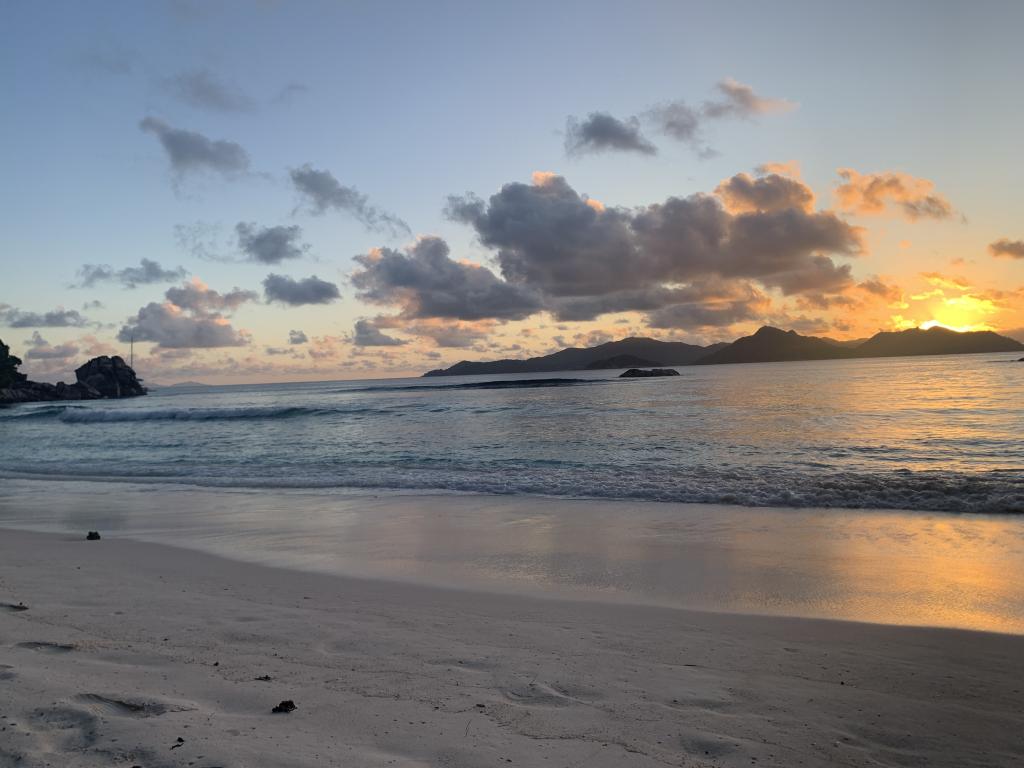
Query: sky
[[272, 191]]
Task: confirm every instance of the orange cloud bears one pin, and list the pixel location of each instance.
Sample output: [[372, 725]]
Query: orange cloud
[[871, 194]]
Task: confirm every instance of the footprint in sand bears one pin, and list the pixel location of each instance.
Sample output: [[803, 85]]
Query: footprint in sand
[[128, 706], [47, 647], [69, 727], [536, 694]]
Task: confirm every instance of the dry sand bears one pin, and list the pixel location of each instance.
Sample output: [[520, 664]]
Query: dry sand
[[140, 654]]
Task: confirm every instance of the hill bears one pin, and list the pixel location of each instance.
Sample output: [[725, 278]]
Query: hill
[[767, 345], [578, 358], [935, 341], [622, 361], [771, 345]]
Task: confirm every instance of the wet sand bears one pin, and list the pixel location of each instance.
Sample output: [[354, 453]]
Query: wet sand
[[135, 653]]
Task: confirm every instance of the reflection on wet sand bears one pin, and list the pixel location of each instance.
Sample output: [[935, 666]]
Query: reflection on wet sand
[[887, 567]]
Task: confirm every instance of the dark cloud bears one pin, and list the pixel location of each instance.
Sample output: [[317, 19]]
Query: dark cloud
[[769, 192], [56, 318], [41, 349], [581, 259], [203, 89], [701, 315], [426, 283], [169, 327], [146, 273], [366, 334], [297, 337], [1013, 249], [190, 152], [676, 119], [553, 240], [193, 316], [308, 290], [270, 245], [601, 132], [196, 296], [322, 192]]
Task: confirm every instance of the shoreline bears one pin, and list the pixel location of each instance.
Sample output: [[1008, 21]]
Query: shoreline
[[127, 646], [907, 568]]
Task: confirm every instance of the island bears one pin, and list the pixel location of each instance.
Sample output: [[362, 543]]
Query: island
[[767, 345]]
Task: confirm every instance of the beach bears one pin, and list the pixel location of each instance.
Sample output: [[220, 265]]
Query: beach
[[136, 653]]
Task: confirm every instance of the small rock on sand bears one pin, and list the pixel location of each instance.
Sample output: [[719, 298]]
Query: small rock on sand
[[284, 707]]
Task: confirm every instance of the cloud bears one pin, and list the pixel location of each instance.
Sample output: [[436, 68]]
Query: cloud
[[322, 192], [203, 89], [891, 294], [41, 349], [1013, 249], [192, 316], [871, 194], [677, 119], [450, 335], [549, 239], [685, 123], [270, 245], [147, 272], [601, 132], [426, 283], [297, 337], [309, 290], [739, 100], [770, 192], [195, 295], [171, 327], [366, 334], [56, 318], [191, 152]]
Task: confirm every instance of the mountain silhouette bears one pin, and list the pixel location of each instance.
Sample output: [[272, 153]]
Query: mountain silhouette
[[767, 345]]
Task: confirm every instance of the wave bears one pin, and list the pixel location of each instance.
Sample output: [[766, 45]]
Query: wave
[[254, 413], [996, 492], [498, 384]]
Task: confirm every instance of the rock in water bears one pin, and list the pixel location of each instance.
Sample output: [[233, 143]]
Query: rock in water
[[636, 373], [93, 536], [111, 377]]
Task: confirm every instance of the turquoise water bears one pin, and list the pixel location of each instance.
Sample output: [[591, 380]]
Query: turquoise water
[[931, 433]]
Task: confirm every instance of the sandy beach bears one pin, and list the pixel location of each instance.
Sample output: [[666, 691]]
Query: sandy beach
[[134, 653]]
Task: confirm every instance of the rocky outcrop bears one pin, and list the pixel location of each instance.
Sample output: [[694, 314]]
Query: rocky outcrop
[[636, 373], [101, 377], [111, 377]]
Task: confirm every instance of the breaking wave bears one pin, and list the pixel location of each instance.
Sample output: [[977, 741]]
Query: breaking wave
[[102, 416]]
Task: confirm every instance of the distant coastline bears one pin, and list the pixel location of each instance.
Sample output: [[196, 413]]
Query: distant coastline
[[767, 345]]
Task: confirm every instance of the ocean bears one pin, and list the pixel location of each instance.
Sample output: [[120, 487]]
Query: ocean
[[924, 433]]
